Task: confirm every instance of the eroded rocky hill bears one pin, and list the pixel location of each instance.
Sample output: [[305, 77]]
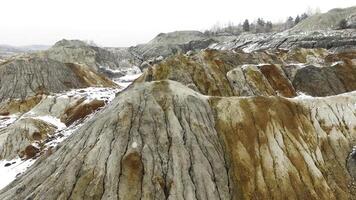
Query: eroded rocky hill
[[216, 124]]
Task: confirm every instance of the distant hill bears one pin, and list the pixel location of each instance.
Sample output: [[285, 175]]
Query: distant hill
[[8, 50], [325, 21]]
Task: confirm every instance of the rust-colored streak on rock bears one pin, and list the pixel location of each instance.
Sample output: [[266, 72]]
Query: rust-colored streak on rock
[[80, 111], [132, 171], [278, 80]]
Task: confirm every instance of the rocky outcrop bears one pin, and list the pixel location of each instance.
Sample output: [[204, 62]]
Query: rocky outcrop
[[40, 122], [334, 40], [161, 140], [17, 139], [167, 44], [293, 149], [284, 73], [76, 51], [27, 76]]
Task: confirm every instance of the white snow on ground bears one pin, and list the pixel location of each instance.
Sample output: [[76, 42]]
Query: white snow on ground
[[262, 64], [300, 65], [126, 80], [134, 145], [91, 93], [302, 95], [61, 135], [114, 71], [18, 166], [7, 120], [250, 48], [337, 63], [9, 173], [52, 120]]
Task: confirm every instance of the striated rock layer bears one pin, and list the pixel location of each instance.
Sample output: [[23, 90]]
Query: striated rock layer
[[162, 140]]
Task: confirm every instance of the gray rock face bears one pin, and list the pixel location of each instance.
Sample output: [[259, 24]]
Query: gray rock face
[[321, 81], [30, 75], [150, 148]]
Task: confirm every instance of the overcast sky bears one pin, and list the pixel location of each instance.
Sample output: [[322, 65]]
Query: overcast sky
[[129, 22]]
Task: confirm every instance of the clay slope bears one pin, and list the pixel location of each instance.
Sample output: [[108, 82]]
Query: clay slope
[[27, 76], [315, 72], [161, 140]]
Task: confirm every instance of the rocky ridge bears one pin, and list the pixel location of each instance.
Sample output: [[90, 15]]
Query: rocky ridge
[[315, 72]]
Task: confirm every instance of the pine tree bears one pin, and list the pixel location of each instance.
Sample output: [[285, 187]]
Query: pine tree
[[289, 23], [297, 20], [303, 16], [343, 24], [246, 26], [260, 25], [269, 26]]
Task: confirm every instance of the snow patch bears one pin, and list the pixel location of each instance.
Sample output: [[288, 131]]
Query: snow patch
[[134, 145], [126, 80], [262, 64], [250, 48], [337, 63], [302, 95], [91, 93], [15, 168], [300, 65], [7, 120], [52, 120]]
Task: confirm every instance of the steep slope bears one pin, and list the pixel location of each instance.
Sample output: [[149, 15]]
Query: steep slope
[[27, 76], [325, 21], [161, 140]]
